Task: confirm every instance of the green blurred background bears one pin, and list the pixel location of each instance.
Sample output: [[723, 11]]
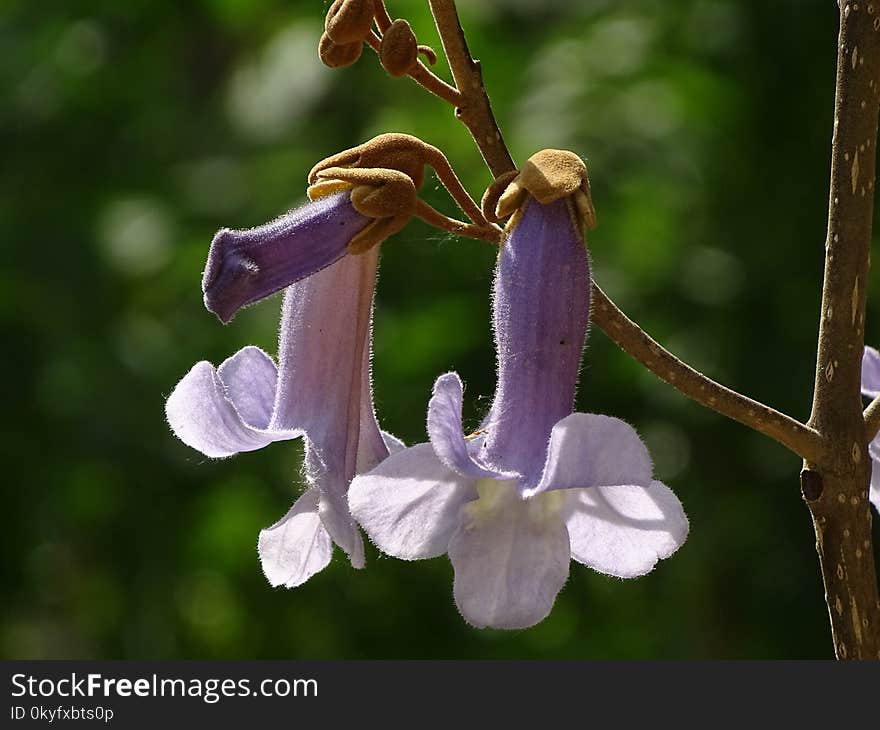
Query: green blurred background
[[131, 131]]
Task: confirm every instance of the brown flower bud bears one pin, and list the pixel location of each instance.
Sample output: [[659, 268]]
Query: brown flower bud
[[337, 55], [399, 50], [349, 21]]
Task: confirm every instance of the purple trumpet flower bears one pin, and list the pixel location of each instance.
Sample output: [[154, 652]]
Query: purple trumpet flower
[[536, 485], [871, 389], [321, 389], [246, 266]]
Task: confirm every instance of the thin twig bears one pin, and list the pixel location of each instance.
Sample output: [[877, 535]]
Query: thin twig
[[459, 193], [636, 343], [872, 419], [434, 217], [473, 108], [423, 76], [383, 19]]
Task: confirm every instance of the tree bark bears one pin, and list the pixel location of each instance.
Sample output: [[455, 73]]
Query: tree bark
[[835, 485]]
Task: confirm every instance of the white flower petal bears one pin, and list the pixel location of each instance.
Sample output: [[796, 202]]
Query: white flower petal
[[445, 430], [392, 443], [297, 546], [223, 411], [511, 560], [409, 505], [590, 450], [870, 372], [624, 530]]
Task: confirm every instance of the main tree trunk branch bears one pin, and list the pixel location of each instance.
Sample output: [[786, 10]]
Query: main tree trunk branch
[[836, 487]]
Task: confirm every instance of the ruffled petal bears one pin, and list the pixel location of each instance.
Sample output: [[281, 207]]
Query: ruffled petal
[[409, 505], [221, 417], [590, 450], [250, 378], [445, 430], [297, 546], [511, 560], [247, 265], [624, 530], [871, 372]]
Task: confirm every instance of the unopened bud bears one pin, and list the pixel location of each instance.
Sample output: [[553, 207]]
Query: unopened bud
[[337, 55], [349, 21], [399, 50]]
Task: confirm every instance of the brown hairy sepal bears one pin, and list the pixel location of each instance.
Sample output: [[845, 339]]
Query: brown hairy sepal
[[392, 151], [547, 176], [384, 176]]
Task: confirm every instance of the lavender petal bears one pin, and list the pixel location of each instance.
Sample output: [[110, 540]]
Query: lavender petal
[[624, 530], [297, 546], [224, 411], [870, 372], [247, 265], [409, 505], [510, 559], [445, 430], [591, 450]]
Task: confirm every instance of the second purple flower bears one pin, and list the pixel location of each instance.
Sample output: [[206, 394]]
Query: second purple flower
[[537, 485]]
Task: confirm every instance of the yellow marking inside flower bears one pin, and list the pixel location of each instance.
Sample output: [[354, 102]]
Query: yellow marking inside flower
[[496, 496]]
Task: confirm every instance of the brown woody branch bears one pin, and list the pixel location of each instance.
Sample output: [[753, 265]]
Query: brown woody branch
[[836, 486], [474, 109], [789, 432]]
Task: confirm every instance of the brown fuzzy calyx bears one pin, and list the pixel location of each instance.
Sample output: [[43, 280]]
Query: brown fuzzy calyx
[[547, 176], [384, 175], [392, 151]]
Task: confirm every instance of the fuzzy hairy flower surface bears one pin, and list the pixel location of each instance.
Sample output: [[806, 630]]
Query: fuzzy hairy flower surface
[[245, 266], [319, 391], [537, 485]]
